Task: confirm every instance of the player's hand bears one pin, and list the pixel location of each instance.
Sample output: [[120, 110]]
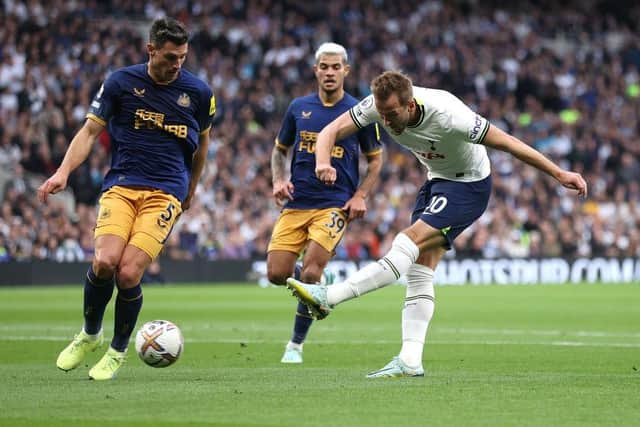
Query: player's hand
[[282, 191], [326, 173], [574, 181], [55, 184], [356, 207]]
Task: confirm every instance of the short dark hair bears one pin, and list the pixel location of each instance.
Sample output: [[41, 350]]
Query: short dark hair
[[390, 82], [168, 29]]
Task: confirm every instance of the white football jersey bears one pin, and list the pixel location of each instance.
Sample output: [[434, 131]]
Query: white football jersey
[[447, 138]]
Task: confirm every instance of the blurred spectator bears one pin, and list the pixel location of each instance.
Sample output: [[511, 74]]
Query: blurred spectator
[[5, 256], [153, 274], [561, 76]]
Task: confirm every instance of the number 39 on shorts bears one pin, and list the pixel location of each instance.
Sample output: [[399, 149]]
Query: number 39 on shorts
[[337, 222]]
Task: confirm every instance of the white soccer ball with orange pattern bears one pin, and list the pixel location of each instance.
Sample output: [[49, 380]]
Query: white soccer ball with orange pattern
[[159, 343]]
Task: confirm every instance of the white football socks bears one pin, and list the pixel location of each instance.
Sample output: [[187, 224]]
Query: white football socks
[[294, 346], [418, 310], [381, 273], [94, 336]]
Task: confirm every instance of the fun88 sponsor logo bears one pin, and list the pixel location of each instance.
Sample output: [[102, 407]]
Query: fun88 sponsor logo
[[475, 130]]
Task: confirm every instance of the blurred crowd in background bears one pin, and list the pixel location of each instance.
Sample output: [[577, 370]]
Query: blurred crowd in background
[[562, 76]]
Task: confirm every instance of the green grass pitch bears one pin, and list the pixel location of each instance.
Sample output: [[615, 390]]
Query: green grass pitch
[[565, 355]]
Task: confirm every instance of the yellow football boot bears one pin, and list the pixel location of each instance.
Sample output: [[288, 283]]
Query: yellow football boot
[[75, 352], [108, 366]]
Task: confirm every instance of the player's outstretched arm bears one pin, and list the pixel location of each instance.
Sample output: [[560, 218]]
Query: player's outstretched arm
[[77, 153], [496, 138], [341, 127]]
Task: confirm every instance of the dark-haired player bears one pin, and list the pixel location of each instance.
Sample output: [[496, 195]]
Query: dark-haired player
[[159, 117]]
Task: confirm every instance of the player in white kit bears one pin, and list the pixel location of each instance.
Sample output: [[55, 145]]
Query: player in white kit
[[449, 139]]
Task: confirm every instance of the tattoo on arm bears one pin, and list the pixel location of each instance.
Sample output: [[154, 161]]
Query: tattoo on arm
[[278, 164]]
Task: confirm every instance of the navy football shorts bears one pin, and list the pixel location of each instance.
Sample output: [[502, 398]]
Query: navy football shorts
[[451, 206]]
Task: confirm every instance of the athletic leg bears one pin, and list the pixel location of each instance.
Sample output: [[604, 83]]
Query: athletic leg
[[129, 301], [404, 252], [419, 305], [156, 215], [98, 286], [315, 260], [280, 266], [448, 208], [99, 282]]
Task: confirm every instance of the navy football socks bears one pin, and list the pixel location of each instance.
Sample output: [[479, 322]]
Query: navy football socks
[[302, 324], [303, 320], [128, 305], [97, 293]]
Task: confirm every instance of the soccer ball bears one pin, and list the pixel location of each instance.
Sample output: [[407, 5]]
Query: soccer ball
[[159, 343]]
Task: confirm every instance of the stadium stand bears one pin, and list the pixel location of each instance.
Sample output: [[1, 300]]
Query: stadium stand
[[567, 82]]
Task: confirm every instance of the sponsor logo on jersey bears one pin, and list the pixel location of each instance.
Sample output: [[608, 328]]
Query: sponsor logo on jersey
[[152, 120], [430, 156], [306, 114], [475, 130], [184, 100], [139, 92]]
